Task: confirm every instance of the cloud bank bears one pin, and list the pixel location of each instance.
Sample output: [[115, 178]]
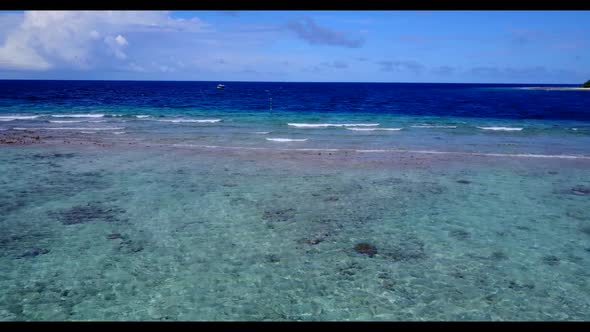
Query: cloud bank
[[308, 30], [79, 39]]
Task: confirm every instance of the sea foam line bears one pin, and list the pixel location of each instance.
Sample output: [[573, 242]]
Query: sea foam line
[[74, 121], [191, 120], [326, 125], [480, 154], [287, 139], [372, 129], [77, 115], [71, 128], [434, 126], [18, 117], [501, 128]]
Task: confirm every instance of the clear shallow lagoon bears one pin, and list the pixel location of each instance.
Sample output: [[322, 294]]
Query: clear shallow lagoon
[[164, 220]]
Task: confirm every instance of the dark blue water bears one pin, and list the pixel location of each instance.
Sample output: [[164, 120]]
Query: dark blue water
[[415, 99]]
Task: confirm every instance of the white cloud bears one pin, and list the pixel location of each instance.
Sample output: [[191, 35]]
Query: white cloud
[[44, 39], [12, 56], [116, 45], [94, 34], [121, 40], [135, 67]]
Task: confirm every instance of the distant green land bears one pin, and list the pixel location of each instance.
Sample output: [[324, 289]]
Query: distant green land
[[586, 85]]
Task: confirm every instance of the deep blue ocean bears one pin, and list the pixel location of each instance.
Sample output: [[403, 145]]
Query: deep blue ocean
[[483, 118], [417, 99]]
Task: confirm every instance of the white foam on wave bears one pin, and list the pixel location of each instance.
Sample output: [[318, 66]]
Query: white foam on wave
[[486, 154], [191, 120], [71, 128], [74, 121], [326, 125], [77, 115], [119, 132], [434, 126], [88, 132], [6, 118], [501, 128], [142, 116], [260, 132], [287, 139], [373, 129]]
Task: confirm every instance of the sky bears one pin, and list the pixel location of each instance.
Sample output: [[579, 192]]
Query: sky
[[298, 46]]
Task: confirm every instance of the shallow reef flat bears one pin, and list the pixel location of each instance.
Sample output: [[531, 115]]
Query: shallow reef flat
[[99, 229]]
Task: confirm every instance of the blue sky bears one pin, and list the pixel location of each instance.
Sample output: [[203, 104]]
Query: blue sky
[[312, 46]]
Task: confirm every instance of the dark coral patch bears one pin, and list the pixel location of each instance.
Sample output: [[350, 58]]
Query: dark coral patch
[[86, 213], [459, 234], [129, 246], [551, 260], [366, 249], [499, 256], [585, 230], [34, 252], [405, 251], [279, 214], [464, 181], [580, 215], [114, 236]]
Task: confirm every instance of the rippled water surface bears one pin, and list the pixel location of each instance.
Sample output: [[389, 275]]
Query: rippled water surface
[[127, 202]]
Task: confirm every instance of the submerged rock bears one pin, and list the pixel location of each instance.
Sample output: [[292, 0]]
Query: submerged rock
[[53, 155], [581, 190], [460, 234], [315, 239], [580, 215], [464, 181], [312, 241], [407, 250], [498, 256], [87, 213], [551, 260], [366, 249], [349, 269], [272, 258], [585, 229], [34, 252], [515, 285], [435, 190], [279, 214], [114, 236], [129, 246]]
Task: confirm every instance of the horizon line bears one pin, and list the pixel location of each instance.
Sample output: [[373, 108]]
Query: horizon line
[[238, 81]]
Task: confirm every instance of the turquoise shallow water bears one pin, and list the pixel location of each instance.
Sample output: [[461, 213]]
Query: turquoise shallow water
[[344, 202], [137, 232]]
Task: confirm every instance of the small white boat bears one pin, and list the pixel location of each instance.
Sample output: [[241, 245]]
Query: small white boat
[[220, 86]]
